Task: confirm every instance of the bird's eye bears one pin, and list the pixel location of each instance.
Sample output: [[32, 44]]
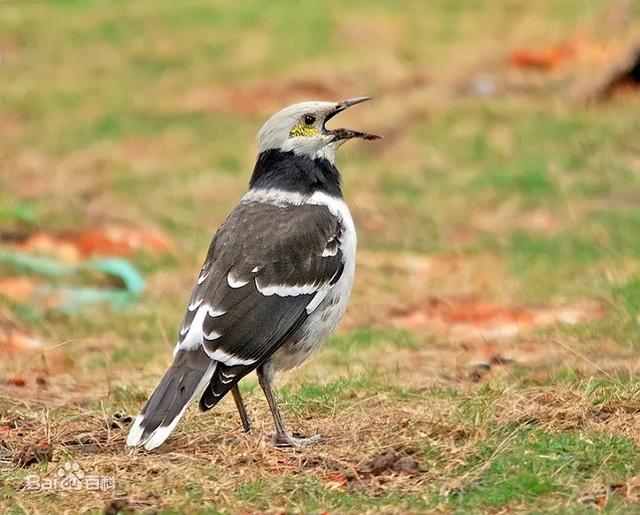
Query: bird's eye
[[309, 119]]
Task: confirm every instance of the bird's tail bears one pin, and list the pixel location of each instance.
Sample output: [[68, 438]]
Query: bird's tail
[[186, 379]]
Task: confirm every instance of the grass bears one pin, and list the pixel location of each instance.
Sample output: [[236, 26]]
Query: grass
[[541, 463], [146, 115]]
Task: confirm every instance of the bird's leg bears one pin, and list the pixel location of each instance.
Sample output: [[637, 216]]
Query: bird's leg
[[244, 417], [282, 438]]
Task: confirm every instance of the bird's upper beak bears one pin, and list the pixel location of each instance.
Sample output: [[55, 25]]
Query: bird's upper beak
[[344, 134]]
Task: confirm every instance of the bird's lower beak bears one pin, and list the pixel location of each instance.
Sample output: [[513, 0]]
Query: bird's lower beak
[[344, 134]]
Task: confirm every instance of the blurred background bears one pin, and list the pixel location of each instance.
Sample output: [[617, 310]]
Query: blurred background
[[498, 223]]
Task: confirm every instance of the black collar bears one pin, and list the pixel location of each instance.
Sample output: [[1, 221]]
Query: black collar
[[291, 172]]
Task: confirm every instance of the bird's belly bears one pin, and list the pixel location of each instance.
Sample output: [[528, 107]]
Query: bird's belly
[[317, 328], [323, 320]]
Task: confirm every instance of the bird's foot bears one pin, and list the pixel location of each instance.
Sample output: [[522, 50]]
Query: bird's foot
[[288, 440]]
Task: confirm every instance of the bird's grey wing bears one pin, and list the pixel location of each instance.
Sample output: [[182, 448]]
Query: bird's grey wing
[[268, 267]]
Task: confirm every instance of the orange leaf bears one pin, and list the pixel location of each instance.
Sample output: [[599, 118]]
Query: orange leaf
[[335, 479], [17, 381], [549, 58]]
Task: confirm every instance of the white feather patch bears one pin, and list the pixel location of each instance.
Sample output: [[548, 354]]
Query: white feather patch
[[157, 437], [226, 379], [229, 359], [213, 312], [193, 337], [203, 277], [135, 432], [194, 305], [212, 335], [287, 290], [317, 299], [275, 197], [234, 282]]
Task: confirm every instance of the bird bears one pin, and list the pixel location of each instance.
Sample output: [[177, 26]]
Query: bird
[[275, 282]]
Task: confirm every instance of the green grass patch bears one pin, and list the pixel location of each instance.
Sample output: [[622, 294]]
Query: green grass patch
[[18, 211], [619, 232], [626, 305], [367, 338], [568, 249], [308, 494], [529, 179], [316, 398], [534, 463]]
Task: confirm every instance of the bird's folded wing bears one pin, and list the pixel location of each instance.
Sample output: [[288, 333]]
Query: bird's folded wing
[[267, 268]]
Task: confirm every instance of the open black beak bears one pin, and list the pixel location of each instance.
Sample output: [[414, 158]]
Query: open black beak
[[339, 134]]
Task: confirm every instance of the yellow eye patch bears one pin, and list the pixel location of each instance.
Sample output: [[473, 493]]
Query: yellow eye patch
[[303, 130]]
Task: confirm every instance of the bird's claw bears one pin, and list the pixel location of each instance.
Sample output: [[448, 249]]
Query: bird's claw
[[287, 440]]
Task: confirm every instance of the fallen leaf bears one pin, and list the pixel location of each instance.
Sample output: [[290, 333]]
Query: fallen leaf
[[17, 381], [119, 241], [335, 480], [547, 58]]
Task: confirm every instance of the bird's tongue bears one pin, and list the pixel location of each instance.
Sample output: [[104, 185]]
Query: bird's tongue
[[350, 133]]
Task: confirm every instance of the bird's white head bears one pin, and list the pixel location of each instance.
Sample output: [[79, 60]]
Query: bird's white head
[[301, 128]]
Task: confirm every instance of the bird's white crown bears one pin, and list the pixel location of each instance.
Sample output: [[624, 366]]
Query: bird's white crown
[[287, 130]]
